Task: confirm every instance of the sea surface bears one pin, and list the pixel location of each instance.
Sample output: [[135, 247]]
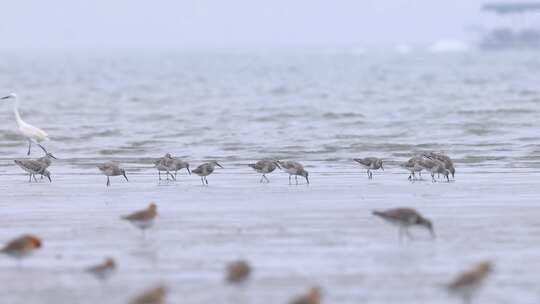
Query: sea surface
[[319, 107]]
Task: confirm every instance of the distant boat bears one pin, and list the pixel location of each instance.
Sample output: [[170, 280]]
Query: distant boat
[[517, 35]]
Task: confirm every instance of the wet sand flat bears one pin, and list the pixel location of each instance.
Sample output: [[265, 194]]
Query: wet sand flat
[[294, 236]]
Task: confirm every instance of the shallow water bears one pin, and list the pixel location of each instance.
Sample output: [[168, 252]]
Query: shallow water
[[322, 109]]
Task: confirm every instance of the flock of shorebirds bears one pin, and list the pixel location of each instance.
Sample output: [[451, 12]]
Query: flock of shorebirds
[[465, 285]]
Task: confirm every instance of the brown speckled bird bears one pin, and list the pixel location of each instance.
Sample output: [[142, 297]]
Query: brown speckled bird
[[405, 218], [143, 219], [238, 272], [103, 271], [313, 296], [466, 285], [154, 295], [21, 247]]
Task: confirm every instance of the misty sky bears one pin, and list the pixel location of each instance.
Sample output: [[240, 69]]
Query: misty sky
[[233, 23]]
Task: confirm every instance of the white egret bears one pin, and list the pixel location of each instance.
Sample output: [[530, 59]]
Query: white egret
[[33, 134]]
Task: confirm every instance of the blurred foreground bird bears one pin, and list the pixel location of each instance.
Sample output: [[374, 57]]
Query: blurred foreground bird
[[143, 219], [405, 218], [154, 295], [238, 272], [103, 271], [21, 247], [313, 296], [467, 284]]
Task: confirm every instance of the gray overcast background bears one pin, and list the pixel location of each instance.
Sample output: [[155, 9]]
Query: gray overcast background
[[233, 23]]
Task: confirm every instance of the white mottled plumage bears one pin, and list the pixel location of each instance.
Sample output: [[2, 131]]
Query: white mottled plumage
[[294, 168]]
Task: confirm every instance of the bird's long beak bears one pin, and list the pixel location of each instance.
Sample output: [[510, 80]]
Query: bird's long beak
[[219, 165], [5, 97], [125, 177], [52, 156]]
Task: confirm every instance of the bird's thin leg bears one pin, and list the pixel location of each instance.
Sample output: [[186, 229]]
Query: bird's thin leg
[[206, 180], [35, 179], [108, 182], [408, 234], [296, 179], [410, 176], [175, 172], [447, 179], [167, 175], [433, 177], [159, 175], [290, 179], [30, 178], [172, 176], [267, 180], [43, 148], [202, 180], [29, 145], [261, 180]]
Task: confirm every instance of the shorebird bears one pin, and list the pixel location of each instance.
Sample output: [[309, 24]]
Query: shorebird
[[264, 167], [467, 284], [370, 163], [413, 166], [112, 169], [434, 166], [103, 271], [446, 160], [154, 295], [33, 167], [33, 134], [46, 160], [405, 218], [313, 296], [21, 247], [179, 165], [143, 219], [294, 168], [166, 163], [238, 272], [206, 169]]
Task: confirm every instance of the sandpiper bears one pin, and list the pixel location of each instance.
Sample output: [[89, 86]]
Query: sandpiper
[[238, 272], [294, 168], [46, 160], [154, 295], [103, 271], [313, 296], [413, 166], [33, 167], [179, 165], [143, 219], [445, 159], [467, 284], [404, 218], [264, 167], [112, 169], [434, 166], [166, 163], [206, 169], [21, 247], [370, 163]]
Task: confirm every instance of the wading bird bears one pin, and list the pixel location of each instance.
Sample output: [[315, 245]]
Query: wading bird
[[33, 134], [405, 218], [21, 247], [264, 167], [370, 163], [294, 168], [206, 169]]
